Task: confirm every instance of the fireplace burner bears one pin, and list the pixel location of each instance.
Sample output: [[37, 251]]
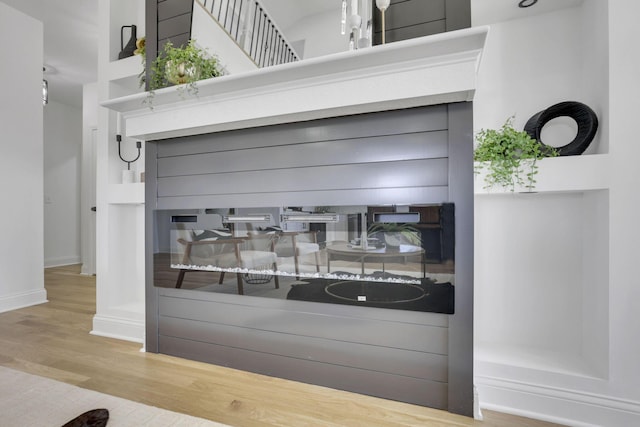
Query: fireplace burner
[[349, 290]]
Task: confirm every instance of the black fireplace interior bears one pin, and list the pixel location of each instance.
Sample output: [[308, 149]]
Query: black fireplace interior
[[394, 257]]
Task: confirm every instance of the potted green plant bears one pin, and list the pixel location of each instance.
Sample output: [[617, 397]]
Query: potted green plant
[[395, 234], [181, 66], [509, 157]]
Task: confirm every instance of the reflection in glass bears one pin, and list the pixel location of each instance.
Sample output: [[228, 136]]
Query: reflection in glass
[[381, 256]]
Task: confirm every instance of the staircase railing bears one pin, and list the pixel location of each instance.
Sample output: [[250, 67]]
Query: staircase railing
[[250, 26]]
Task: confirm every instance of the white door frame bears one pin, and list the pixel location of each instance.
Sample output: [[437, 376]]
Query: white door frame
[[88, 203]]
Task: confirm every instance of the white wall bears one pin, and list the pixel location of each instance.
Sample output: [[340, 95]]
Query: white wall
[[21, 176], [62, 166], [320, 33], [525, 70], [556, 331], [595, 67], [624, 67]]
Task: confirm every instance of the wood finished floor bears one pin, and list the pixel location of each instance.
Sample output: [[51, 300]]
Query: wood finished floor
[[53, 340]]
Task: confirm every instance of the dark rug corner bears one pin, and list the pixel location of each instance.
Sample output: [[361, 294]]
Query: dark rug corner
[[92, 418]]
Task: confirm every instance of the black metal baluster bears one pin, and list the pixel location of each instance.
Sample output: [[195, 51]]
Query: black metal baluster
[[269, 48], [259, 39], [267, 45], [238, 22], [230, 11], [262, 42], [226, 14], [253, 30], [278, 49], [274, 38]]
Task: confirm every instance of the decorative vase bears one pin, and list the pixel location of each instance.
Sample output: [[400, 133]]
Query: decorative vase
[[127, 51], [393, 240], [181, 72]]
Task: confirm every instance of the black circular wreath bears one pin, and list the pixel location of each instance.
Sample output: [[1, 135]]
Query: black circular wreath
[[583, 115], [527, 3]]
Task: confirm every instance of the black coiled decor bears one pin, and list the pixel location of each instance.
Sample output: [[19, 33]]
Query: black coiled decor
[[583, 115]]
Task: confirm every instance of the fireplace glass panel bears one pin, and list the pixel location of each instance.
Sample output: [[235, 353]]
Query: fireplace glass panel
[[399, 257]]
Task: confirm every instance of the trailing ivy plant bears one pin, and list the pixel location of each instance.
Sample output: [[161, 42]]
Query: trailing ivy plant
[[509, 156], [181, 66]]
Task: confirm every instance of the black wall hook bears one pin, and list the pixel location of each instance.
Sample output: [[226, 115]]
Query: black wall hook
[[128, 162]]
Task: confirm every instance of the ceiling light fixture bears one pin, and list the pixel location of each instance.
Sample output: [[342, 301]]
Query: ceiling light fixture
[[527, 3], [356, 15]]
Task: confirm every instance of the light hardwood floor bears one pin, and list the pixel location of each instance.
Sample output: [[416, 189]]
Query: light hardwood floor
[[53, 340]]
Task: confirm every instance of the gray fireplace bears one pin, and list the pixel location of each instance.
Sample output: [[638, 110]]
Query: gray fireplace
[[333, 178]]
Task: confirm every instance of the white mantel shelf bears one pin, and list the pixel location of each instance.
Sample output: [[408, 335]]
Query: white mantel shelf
[[424, 71]]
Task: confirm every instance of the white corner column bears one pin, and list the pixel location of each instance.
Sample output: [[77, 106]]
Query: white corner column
[[120, 205]]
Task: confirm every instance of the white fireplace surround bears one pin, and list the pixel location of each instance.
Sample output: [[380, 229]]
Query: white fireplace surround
[[430, 70]]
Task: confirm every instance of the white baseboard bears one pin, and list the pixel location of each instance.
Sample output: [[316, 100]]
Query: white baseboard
[[122, 329], [557, 405], [61, 261], [21, 300]]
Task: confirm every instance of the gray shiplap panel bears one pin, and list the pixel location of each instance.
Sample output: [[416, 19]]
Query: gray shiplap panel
[[415, 364], [151, 293], [415, 12], [174, 26], [370, 125], [373, 196], [176, 40], [375, 149], [458, 14], [172, 8], [461, 325], [364, 313], [414, 173], [281, 337], [411, 32], [395, 387], [421, 338]]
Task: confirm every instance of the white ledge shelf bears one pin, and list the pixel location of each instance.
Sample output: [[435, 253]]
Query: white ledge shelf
[[424, 71], [124, 68], [561, 174]]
